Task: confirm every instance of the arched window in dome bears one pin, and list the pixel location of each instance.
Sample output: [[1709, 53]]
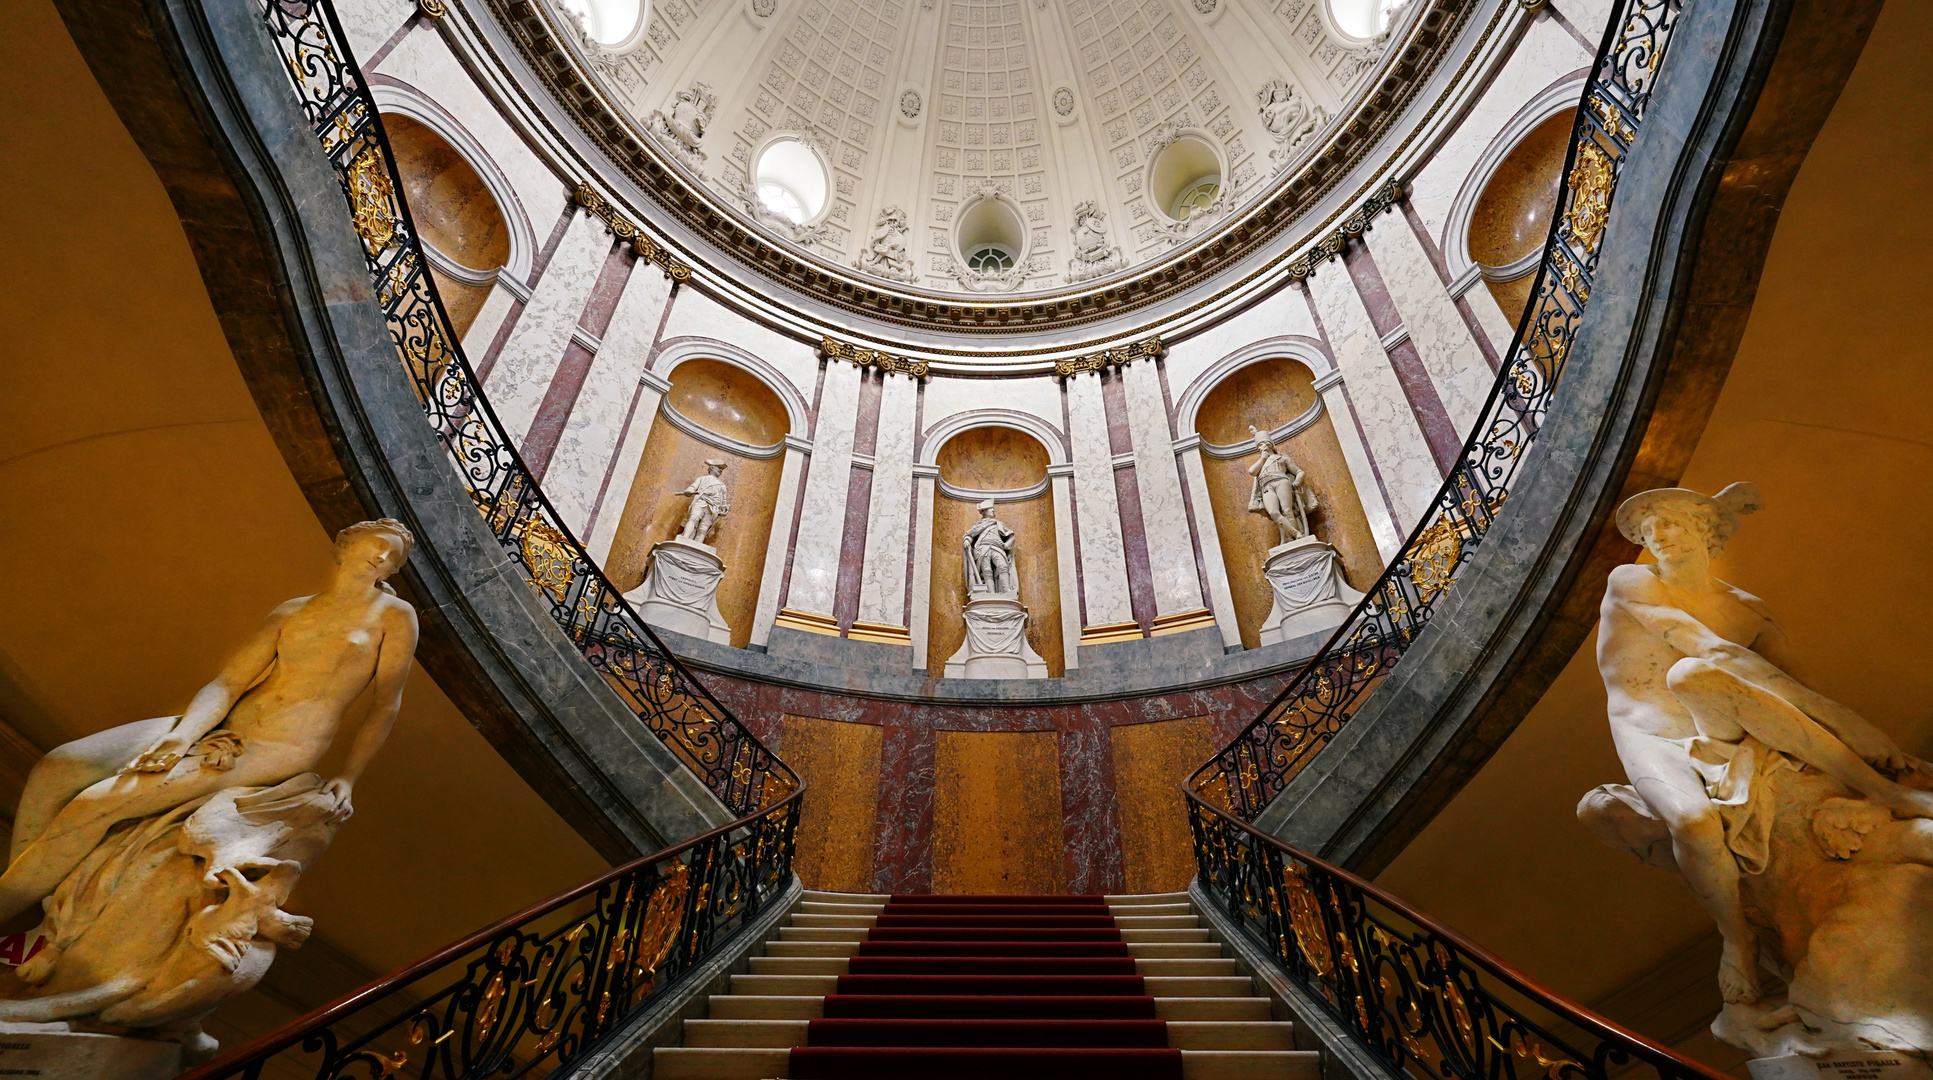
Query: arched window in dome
[[1364, 19], [791, 181], [608, 22], [991, 236], [990, 259], [1185, 177]]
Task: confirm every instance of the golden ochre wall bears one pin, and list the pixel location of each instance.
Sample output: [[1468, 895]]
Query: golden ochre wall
[[1267, 395], [835, 833], [996, 812], [1150, 762], [1512, 216], [454, 210], [995, 459], [728, 401]]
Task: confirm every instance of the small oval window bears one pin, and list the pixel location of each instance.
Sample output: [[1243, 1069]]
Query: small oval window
[[791, 181], [1362, 18], [1185, 178], [608, 22]]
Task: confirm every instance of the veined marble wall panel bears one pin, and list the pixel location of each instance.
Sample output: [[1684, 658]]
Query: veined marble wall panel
[[489, 319], [1035, 397], [882, 586], [1589, 16], [1544, 56], [1104, 561], [995, 458], [1282, 314], [835, 830], [791, 472], [1459, 372], [583, 458], [727, 401], [371, 23], [1395, 439], [1164, 516], [423, 61], [698, 315], [996, 812], [1267, 394], [822, 520], [523, 371], [1150, 762]]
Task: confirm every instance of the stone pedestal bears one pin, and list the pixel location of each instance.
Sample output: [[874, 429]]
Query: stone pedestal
[[996, 642], [52, 1050], [1310, 594], [680, 590], [1874, 1065]]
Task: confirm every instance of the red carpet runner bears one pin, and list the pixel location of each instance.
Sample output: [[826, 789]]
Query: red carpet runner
[[989, 988]]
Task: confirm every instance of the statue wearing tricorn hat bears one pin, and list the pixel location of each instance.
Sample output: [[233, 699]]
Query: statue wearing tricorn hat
[[987, 550], [710, 500]]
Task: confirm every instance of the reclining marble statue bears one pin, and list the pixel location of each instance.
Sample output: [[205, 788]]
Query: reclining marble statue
[[1803, 829], [160, 851]]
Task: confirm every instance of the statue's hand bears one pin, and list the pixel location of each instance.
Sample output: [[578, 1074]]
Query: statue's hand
[[339, 789], [162, 756]]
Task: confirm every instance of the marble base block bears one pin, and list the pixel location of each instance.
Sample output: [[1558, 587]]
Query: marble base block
[[1876, 1065], [52, 1050], [996, 642], [680, 590], [1310, 594]]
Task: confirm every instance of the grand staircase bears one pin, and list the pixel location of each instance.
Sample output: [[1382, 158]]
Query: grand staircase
[[865, 987]]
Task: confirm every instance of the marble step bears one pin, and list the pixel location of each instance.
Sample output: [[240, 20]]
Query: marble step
[[1182, 1035], [1157, 985], [1248, 1010], [1135, 936], [1155, 922], [1180, 950], [732, 1063], [838, 965]]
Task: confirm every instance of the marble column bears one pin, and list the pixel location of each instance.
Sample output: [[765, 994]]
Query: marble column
[[925, 481], [598, 418], [1164, 517], [1220, 600], [797, 451], [1062, 479], [1104, 563], [882, 587], [1452, 357], [505, 293], [1383, 526], [822, 517], [1393, 435], [523, 370], [643, 409]]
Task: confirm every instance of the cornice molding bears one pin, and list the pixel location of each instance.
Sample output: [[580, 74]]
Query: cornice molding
[[861, 357], [1118, 357]]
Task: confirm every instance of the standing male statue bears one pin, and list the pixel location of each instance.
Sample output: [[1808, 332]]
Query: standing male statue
[[988, 551], [1279, 491], [1710, 722], [710, 500]]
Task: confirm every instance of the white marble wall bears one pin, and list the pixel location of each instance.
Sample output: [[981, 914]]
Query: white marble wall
[[1104, 564], [925, 482], [582, 460], [1394, 436], [776, 549], [882, 585], [623, 469], [1164, 517], [1062, 477], [1459, 372], [1035, 396], [822, 520], [523, 370], [1383, 525], [1221, 600], [370, 23]]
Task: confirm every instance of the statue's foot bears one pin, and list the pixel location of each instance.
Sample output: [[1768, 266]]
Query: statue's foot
[[1910, 802], [1738, 974]]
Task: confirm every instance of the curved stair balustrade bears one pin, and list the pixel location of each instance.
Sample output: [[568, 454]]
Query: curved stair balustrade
[[1248, 773], [1422, 999], [539, 990], [592, 613]]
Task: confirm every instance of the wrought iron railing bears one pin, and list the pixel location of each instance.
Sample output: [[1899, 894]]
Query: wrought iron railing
[[1423, 999], [1253, 768], [586, 606], [535, 992]]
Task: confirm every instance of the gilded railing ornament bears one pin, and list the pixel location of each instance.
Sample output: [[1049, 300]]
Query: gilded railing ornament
[[1590, 183], [861, 357], [1117, 357], [372, 201], [621, 227]]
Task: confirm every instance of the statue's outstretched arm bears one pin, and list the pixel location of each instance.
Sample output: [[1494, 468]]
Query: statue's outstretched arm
[[393, 658], [249, 665], [1857, 732]]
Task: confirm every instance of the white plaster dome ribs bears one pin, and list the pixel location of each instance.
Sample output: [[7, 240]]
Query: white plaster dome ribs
[[1048, 103]]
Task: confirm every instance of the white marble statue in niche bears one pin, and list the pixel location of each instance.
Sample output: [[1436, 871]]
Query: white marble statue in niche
[[710, 501], [988, 547], [1279, 492], [161, 850], [1801, 827]]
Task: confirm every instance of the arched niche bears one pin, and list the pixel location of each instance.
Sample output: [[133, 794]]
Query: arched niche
[[713, 409], [455, 213], [1511, 217], [1269, 394], [1010, 466]]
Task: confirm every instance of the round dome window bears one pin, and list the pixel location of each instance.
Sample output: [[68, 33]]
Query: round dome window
[[992, 239], [1362, 19], [608, 22], [791, 181], [1185, 178]]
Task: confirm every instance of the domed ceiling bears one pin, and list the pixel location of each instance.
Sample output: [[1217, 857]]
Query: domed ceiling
[[984, 146]]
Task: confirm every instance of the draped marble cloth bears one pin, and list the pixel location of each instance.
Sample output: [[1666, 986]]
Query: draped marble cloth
[[1741, 778], [996, 632], [686, 578]]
